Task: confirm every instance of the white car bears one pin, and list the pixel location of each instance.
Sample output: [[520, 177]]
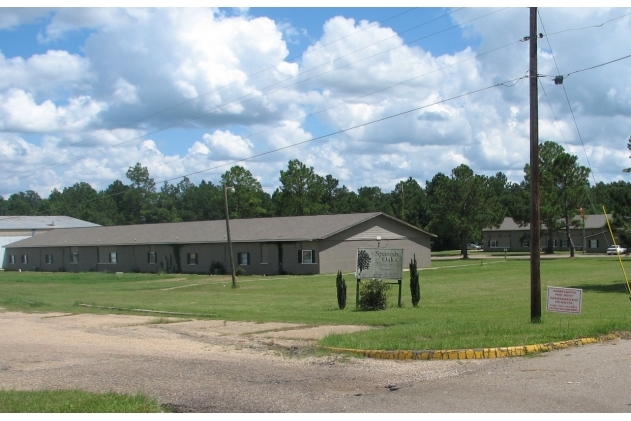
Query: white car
[[615, 249], [473, 247]]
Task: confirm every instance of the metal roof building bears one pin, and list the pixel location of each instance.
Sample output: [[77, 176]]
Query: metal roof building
[[16, 228]]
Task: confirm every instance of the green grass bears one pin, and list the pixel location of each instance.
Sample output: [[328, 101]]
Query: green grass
[[56, 401], [464, 303]]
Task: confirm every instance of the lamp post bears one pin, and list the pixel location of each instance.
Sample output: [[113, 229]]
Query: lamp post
[[225, 194]]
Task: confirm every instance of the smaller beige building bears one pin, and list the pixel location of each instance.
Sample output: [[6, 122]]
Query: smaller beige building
[[593, 238], [297, 244]]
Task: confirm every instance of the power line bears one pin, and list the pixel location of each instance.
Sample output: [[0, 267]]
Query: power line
[[318, 138], [570, 105], [221, 106], [234, 103]]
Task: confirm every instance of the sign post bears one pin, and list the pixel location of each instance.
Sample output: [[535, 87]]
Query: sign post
[[378, 263]]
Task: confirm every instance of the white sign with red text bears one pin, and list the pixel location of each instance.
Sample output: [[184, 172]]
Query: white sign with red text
[[565, 300]]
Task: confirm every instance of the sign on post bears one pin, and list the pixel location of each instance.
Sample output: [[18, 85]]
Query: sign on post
[[379, 263], [376, 263], [565, 300]]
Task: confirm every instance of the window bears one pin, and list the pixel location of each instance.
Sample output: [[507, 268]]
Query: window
[[593, 244], [24, 259], [306, 256], [49, 259], [12, 259], [563, 243], [74, 258], [151, 257], [191, 258], [493, 243], [113, 258], [243, 259], [525, 243]]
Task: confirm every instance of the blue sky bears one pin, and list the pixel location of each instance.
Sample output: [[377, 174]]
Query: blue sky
[[86, 93]]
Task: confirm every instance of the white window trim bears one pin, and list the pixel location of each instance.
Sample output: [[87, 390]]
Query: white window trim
[[25, 259], [494, 244], [47, 260], [74, 261], [190, 260], [152, 257], [113, 257], [12, 259], [310, 252]]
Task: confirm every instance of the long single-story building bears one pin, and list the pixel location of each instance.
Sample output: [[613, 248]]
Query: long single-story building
[[296, 244], [593, 238]]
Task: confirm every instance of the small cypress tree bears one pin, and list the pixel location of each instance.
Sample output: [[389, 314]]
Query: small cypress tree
[[341, 290], [415, 287]]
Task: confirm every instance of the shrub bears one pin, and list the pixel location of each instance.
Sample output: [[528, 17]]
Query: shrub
[[216, 268], [415, 287], [341, 290], [373, 295], [239, 271]]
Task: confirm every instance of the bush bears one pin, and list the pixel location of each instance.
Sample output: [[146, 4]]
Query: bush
[[218, 268], [341, 290], [239, 271], [373, 295]]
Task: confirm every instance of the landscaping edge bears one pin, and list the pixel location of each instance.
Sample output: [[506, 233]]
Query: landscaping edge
[[477, 353]]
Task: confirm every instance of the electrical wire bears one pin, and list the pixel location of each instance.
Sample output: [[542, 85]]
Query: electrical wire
[[237, 161], [261, 95]]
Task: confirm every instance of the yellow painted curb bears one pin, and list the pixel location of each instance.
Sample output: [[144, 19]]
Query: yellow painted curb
[[471, 354]]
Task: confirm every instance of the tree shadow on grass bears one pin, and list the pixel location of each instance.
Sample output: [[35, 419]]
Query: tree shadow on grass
[[618, 287]]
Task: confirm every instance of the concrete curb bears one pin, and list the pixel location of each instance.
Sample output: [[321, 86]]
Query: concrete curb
[[469, 354]]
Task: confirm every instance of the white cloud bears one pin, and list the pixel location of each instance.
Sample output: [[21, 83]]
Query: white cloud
[[46, 74], [224, 76]]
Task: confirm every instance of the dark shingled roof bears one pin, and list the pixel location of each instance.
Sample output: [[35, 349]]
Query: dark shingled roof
[[289, 228], [591, 221]]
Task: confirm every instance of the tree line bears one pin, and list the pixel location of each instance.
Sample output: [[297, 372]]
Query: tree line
[[455, 207]]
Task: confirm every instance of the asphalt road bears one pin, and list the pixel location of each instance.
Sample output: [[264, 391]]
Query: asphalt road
[[202, 367]]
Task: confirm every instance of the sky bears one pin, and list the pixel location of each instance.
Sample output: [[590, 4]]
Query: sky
[[372, 96]]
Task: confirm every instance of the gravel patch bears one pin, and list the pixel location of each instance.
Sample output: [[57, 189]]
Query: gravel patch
[[200, 365]]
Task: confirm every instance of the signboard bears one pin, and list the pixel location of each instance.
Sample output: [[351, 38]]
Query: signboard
[[379, 263], [565, 300]]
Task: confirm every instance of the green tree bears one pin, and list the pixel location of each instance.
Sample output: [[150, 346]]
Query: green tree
[[408, 201], [301, 191], [141, 198], [24, 203], [3, 206], [372, 199], [563, 188], [81, 201], [629, 148], [247, 199], [464, 204]]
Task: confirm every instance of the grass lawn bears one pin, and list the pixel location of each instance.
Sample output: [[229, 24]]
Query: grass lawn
[[55, 401], [464, 303]]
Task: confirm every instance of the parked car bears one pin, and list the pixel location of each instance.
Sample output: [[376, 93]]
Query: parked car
[[473, 247], [616, 249]]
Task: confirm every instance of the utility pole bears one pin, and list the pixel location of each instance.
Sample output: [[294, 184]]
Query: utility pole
[[535, 227], [225, 192]]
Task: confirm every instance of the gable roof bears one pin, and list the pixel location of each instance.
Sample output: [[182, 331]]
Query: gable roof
[[591, 221], [289, 228], [42, 222]]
